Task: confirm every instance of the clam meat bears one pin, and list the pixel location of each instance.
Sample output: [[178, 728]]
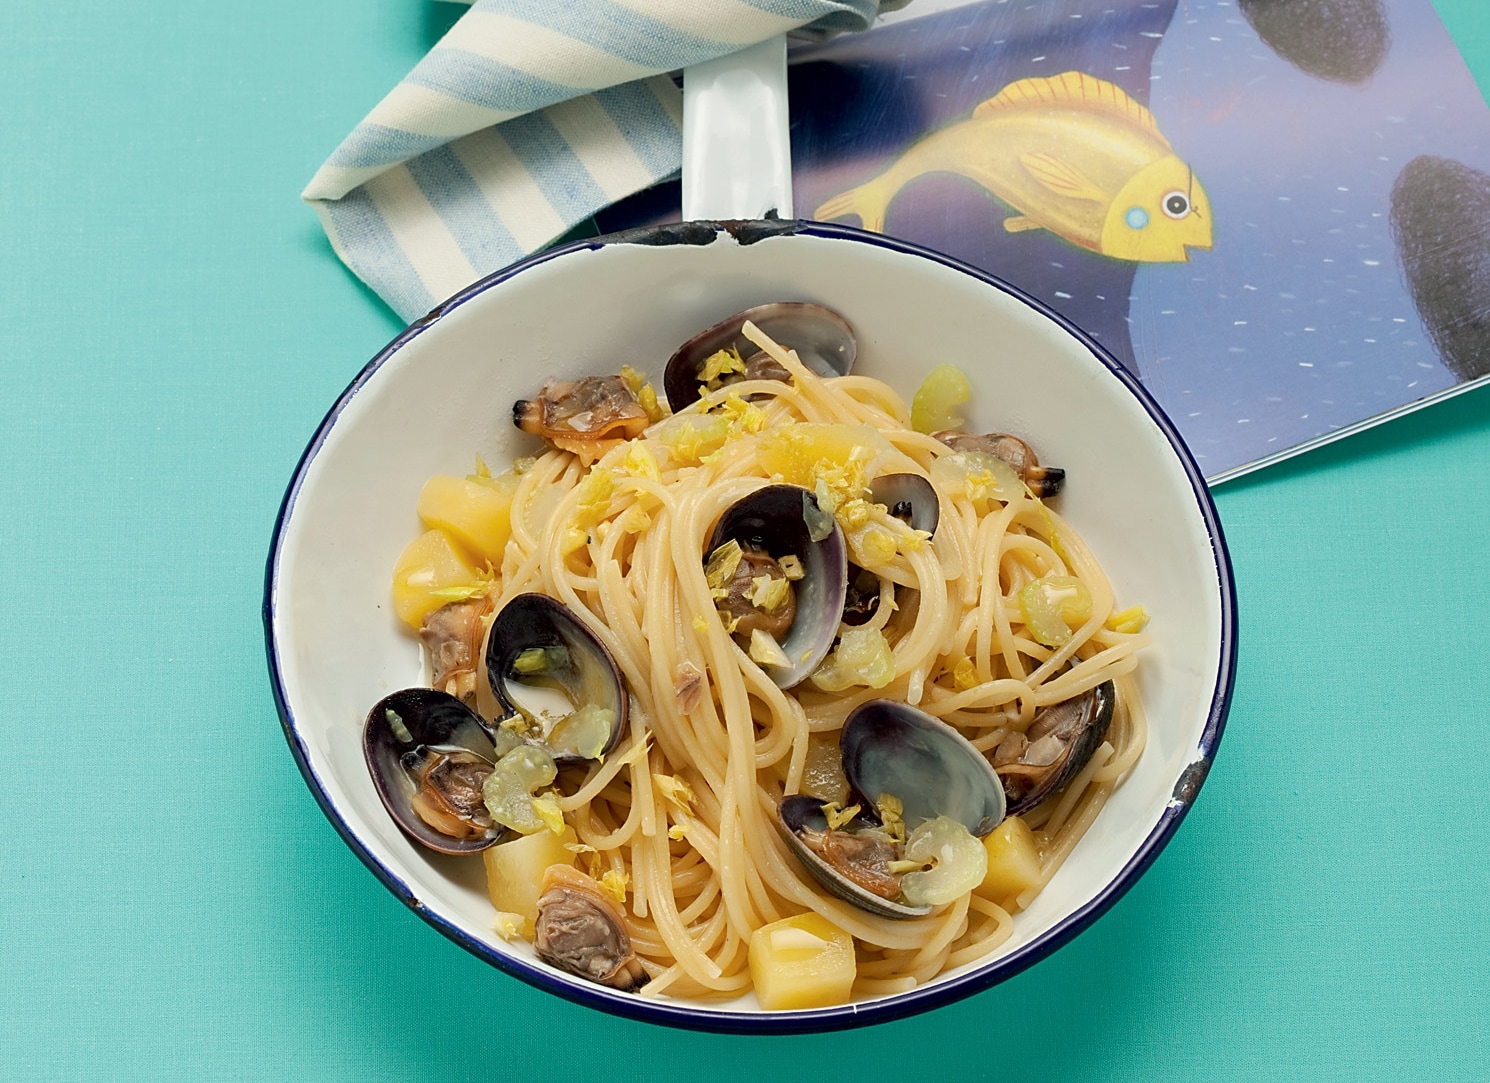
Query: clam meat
[[582, 931], [452, 634], [588, 416]]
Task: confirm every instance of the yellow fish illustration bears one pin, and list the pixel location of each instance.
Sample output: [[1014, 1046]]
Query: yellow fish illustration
[[1072, 154]]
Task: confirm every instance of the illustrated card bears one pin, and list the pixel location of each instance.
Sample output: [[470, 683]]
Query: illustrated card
[[1275, 212]]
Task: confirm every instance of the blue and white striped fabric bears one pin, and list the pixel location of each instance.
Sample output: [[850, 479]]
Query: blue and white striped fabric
[[525, 119]]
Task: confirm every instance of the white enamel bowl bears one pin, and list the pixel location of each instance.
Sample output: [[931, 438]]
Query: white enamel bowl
[[442, 393]]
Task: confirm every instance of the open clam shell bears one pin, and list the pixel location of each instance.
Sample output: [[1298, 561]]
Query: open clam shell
[[774, 519], [572, 663], [823, 340], [1060, 739], [893, 748], [425, 748], [910, 497]]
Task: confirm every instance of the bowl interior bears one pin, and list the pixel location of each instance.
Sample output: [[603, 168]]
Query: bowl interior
[[443, 394]]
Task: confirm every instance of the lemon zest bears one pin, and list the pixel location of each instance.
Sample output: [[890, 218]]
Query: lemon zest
[[510, 926], [720, 363], [595, 493], [640, 462], [675, 791], [745, 418], [964, 674], [837, 816], [765, 651], [546, 807], [768, 593], [891, 813], [634, 520], [614, 883], [1130, 621], [723, 562]]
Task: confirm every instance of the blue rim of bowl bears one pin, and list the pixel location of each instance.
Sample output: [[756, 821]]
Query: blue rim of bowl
[[898, 1006]]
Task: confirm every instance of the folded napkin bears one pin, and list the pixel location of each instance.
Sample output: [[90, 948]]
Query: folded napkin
[[526, 118]]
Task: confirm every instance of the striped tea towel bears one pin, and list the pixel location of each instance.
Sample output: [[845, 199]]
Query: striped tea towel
[[525, 119]]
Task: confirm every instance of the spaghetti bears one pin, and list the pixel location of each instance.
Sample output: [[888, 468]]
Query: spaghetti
[[682, 813]]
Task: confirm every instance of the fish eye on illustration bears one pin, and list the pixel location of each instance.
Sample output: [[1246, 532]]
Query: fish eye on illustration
[[1176, 204]]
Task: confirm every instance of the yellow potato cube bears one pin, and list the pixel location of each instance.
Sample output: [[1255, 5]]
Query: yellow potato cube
[[1013, 860], [428, 565], [476, 514], [803, 452], [514, 871], [802, 962]]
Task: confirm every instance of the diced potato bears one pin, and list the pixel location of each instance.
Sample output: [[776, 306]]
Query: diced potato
[[806, 451], [801, 962], [514, 870], [429, 564], [476, 514], [1013, 860]]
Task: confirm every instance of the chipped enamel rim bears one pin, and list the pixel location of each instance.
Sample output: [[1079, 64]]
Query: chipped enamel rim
[[682, 1014]]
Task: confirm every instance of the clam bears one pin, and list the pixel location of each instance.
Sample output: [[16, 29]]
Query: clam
[[555, 684], [911, 498], [823, 340], [1059, 742], [925, 797], [891, 747], [582, 931], [457, 784], [779, 567], [1043, 481], [587, 417], [429, 755], [452, 634]]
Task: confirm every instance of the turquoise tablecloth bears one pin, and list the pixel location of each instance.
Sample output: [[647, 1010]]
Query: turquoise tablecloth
[[174, 906]]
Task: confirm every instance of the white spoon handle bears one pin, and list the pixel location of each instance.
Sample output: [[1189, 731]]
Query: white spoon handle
[[737, 155]]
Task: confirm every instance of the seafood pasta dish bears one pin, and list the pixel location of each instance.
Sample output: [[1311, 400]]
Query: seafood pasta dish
[[766, 681]]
